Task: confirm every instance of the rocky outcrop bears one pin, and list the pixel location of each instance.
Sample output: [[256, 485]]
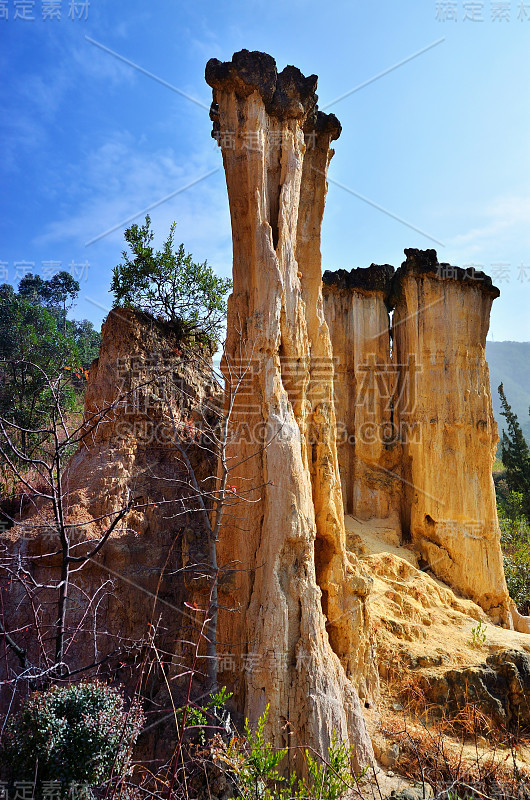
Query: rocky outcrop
[[144, 377], [499, 688], [169, 394], [439, 656], [357, 312], [440, 323], [298, 631], [414, 398]]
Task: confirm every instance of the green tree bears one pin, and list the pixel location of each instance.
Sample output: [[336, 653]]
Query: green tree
[[515, 454], [58, 291], [6, 292], [32, 350], [87, 340], [515, 542], [31, 288], [169, 284], [54, 294]]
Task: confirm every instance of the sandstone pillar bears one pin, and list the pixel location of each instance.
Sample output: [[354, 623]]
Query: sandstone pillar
[[357, 313], [300, 629], [440, 323]]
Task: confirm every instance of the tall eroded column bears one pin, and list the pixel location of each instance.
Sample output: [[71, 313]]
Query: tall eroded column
[[285, 534], [356, 311], [440, 324]]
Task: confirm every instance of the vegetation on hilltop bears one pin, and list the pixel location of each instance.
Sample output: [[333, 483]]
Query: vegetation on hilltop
[[170, 285]]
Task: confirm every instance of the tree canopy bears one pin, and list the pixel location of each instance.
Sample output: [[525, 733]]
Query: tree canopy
[[86, 338], [33, 351], [38, 345], [32, 289], [170, 285], [53, 294]]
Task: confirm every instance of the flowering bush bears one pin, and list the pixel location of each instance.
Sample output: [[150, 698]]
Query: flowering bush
[[78, 734]]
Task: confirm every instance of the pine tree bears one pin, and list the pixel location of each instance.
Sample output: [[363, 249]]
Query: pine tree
[[515, 454]]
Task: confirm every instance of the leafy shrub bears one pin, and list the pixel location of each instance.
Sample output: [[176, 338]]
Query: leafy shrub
[[254, 762], [329, 779], [78, 734], [211, 712]]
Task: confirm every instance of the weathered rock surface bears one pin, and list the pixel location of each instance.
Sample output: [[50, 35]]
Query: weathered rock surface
[[144, 362], [300, 630], [426, 647], [149, 565], [440, 323], [369, 446], [421, 437], [500, 689]]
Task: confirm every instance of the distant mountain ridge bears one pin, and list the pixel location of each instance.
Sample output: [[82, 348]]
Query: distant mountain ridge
[[509, 363]]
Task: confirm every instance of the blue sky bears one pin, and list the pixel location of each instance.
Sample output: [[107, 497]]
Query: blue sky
[[441, 142]]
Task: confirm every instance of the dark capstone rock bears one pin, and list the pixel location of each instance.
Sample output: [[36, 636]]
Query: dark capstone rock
[[383, 278], [500, 688], [321, 123], [295, 94], [249, 71], [288, 94], [420, 260], [425, 262], [375, 278]]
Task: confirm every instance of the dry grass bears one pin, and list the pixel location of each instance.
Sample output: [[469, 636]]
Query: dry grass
[[459, 755], [431, 756]]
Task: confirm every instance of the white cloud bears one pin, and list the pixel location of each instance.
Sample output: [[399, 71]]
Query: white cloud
[[119, 180], [506, 223], [91, 62]]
